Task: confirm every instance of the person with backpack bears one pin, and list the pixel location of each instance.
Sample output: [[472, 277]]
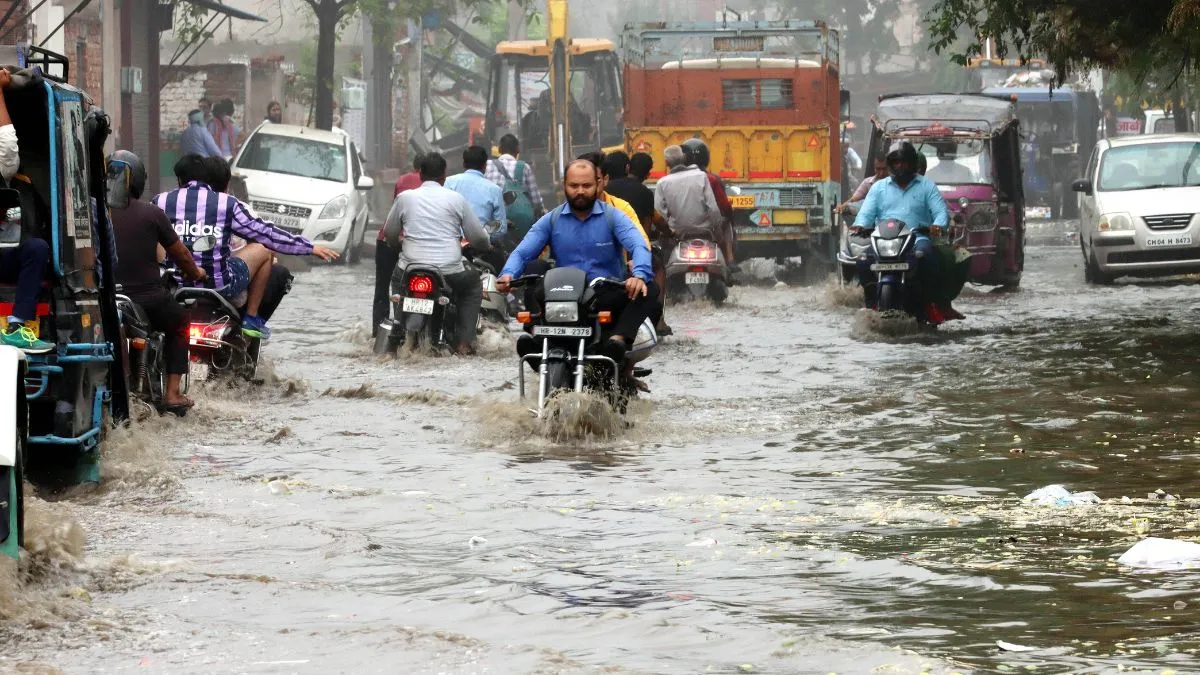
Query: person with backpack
[[516, 176], [590, 235]]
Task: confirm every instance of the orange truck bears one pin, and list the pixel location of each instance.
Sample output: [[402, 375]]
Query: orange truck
[[765, 97]]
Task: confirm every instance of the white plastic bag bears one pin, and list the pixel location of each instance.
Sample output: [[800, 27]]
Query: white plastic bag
[[1162, 554], [1057, 495]]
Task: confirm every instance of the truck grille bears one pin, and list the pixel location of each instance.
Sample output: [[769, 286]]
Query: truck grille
[[1174, 221], [268, 209], [798, 198]]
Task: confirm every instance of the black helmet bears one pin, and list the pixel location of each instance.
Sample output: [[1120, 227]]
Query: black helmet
[[136, 175], [903, 153], [696, 152]]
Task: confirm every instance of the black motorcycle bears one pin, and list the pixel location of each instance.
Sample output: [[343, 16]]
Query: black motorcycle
[[566, 333], [145, 363]]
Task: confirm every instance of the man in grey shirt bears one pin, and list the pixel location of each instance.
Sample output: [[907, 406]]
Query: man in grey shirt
[[433, 220], [684, 197]]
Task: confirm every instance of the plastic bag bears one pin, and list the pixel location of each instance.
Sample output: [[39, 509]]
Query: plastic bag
[[1057, 495], [1162, 554]]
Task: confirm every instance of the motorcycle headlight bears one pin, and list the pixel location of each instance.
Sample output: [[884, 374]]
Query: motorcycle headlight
[[336, 208], [889, 248], [1115, 222], [562, 312]]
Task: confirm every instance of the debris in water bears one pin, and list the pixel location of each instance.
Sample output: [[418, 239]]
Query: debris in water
[[1057, 495], [1162, 554], [704, 543], [279, 487], [364, 390], [1010, 647], [476, 541], [279, 435]]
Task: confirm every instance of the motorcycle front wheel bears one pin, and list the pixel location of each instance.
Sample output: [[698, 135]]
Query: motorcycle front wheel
[[889, 297]]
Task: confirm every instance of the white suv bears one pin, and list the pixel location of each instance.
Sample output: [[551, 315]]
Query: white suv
[[308, 182], [1140, 207]]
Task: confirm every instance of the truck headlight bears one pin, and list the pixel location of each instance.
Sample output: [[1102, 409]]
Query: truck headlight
[[336, 208], [562, 312]]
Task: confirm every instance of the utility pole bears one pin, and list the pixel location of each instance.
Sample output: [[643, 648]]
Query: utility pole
[[378, 65]]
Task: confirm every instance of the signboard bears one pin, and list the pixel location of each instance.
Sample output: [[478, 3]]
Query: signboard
[[761, 218], [738, 44], [1128, 126]]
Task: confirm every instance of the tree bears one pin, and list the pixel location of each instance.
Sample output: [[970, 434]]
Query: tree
[[330, 14]]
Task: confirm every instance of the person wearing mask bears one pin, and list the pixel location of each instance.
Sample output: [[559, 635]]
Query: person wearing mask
[[387, 256], [485, 197], [909, 197], [697, 153], [198, 212], [860, 193], [581, 233], [223, 129], [141, 228], [507, 167], [433, 220], [25, 263], [196, 139], [274, 113]]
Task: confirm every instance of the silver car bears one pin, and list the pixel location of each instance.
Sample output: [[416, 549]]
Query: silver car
[[1140, 207]]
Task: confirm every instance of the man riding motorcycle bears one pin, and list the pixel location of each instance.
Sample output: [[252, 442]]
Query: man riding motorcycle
[[433, 220], [697, 153], [909, 197], [588, 234], [140, 228]]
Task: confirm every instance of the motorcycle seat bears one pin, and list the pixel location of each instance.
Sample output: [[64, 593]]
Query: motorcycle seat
[[209, 295]]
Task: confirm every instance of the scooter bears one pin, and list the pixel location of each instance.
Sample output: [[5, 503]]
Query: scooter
[[697, 267], [896, 288], [565, 336]]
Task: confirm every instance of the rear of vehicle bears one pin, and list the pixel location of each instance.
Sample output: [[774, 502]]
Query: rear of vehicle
[[764, 97], [217, 346], [308, 182], [696, 267], [1141, 207], [424, 311]]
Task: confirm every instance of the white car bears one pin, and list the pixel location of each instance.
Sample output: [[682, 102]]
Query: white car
[[309, 182], [1139, 207]]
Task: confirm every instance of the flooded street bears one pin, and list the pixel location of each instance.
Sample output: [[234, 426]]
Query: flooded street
[[802, 492]]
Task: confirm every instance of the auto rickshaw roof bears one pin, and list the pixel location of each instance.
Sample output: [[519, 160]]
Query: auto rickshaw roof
[[956, 111], [1033, 94]]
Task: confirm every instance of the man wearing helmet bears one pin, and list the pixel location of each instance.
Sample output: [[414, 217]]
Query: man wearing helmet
[[697, 155], [140, 228], [909, 197]]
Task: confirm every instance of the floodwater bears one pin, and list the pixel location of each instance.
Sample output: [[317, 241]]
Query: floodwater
[[804, 491]]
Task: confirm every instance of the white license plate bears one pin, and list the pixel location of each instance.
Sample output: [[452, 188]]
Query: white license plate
[[417, 306], [1039, 212], [294, 224], [889, 267], [197, 372], [562, 331], [690, 278], [1175, 240]]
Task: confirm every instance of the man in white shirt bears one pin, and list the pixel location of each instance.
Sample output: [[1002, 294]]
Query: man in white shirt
[[433, 220], [25, 263], [684, 196]]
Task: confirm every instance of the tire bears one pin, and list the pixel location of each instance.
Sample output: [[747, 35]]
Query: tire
[[557, 377], [354, 247], [1091, 271], [889, 297]]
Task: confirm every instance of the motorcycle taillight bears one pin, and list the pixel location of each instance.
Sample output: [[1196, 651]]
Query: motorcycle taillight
[[420, 284]]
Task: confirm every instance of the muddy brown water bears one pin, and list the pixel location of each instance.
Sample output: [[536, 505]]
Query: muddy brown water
[[804, 491]]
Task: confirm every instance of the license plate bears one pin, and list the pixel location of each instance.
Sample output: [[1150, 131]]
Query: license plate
[[417, 306], [197, 372], [1037, 212], [562, 331], [1176, 240], [293, 224], [742, 201], [690, 278], [889, 267]]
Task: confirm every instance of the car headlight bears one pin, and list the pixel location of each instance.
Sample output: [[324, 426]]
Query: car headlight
[[889, 248], [562, 312], [1115, 222], [336, 208]]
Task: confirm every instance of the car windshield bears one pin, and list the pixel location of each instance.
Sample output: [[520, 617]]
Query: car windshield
[[295, 157], [1151, 165], [957, 161]]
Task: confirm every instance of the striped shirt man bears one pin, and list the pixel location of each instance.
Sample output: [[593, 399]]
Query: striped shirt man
[[196, 211]]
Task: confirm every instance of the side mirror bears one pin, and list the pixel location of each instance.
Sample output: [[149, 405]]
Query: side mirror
[[510, 197], [365, 183], [844, 103], [1083, 185]]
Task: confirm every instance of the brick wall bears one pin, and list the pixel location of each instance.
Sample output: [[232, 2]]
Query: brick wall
[[84, 38], [20, 34], [184, 86]]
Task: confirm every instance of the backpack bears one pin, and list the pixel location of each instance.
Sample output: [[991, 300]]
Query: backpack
[[520, 212]]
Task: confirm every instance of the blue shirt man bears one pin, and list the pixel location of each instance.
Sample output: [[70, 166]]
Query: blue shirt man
[[196, 139], [593, 244], [485, 197], [919, 204]]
